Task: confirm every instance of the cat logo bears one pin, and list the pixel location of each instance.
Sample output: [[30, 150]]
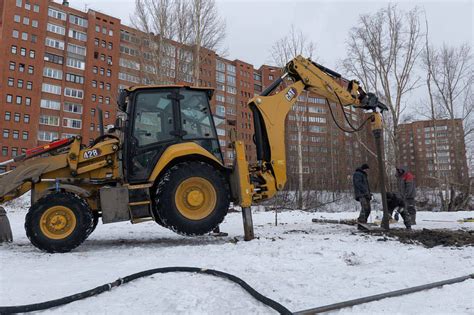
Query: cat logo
[[290, 94], [89, 154]]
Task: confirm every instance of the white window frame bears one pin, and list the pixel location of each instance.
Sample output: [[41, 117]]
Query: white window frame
[[74, 93]]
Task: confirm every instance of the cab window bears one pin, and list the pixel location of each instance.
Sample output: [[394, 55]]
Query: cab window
[[196, 115], [153, 118]]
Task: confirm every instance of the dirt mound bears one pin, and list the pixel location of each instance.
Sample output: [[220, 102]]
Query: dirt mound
[[432, 238]]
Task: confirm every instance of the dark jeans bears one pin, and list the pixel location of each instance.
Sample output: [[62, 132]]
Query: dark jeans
[[365, 209], [410, 207]]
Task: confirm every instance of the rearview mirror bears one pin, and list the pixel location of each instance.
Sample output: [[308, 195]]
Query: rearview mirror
[[122, 100]]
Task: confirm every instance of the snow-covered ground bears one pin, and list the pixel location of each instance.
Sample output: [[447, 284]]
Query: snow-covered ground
[[298, 263]]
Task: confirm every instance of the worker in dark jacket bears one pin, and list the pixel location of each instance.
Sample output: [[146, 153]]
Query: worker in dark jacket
[[362, 192], [406, 185]]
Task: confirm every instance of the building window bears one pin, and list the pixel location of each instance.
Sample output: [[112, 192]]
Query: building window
[[107, 100], [9, 98], [36, 8], [72, 123], [34, 23], [78, 35], [74, 19], [4, 151], [54, 58], [47, 135], [95, 70], [57, 14], [24, 135], [16, 134], [94, 83], [18, 3], [26, 20], [50, 88], [109, 72], [107, 114], [6, 133], [51, 42], [12, 66], [16, 117], [34, 38], [11, 82], [74, 93], [27, 101], [18, 100], [76, 49], [29, 85], [50, 104], [102, 71], [26, 118], [49, 120], [107, 86], [72, 108], [15, 34], [23, 52], [53, 73], [93, 97], [24, 36], [57, 29], [14, 49], [76, 63], [8, 116], [74, 78], [17, 18], [31, 69], [21, 67]]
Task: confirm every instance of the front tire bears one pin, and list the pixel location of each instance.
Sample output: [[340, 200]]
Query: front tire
[[192, 198], [59, 222]]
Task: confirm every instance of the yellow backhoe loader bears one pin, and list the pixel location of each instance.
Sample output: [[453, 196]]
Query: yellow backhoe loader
[[163, 162]]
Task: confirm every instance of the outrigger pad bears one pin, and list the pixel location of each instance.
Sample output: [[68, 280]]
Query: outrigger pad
[[367, 226], [5, 229]]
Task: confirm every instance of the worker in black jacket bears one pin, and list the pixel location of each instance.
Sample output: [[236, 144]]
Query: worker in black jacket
[[362, 192]]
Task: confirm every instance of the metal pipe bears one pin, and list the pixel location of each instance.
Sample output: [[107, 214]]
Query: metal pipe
[[381, 166], [367, 299]]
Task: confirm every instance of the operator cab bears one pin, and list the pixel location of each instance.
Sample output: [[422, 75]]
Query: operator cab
[[160, 116]]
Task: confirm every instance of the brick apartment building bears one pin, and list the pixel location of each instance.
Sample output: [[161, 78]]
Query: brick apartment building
[[61, 64], [430, 150]]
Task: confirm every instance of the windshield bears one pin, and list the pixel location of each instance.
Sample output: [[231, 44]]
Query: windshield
[[196, 115]]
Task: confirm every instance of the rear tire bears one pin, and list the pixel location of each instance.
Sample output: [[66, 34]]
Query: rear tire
[[192, 198], [59, 222]]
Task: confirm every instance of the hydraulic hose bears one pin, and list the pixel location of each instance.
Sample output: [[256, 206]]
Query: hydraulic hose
[[107, 287], [263, 299]]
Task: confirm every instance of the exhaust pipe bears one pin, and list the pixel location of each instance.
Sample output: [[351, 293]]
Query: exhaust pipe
[[5, 229]]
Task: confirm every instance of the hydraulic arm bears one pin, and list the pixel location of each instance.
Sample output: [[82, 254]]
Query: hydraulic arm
[[269, 114]]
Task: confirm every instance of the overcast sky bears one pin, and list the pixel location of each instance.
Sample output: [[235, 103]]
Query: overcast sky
[[254, 25]]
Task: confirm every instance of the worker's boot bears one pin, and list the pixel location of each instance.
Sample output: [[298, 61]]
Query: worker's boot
[[406, 219]]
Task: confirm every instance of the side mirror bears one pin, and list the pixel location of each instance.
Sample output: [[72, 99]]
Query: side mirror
[[122, 100]]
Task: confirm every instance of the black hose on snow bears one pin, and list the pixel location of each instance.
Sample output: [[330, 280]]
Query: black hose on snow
[[265, 300], [107, 287]]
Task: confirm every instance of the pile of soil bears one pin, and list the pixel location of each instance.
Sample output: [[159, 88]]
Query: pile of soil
[[431, 238]]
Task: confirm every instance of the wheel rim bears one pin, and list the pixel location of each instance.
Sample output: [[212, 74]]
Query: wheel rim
[[195, 198], [58, 222]]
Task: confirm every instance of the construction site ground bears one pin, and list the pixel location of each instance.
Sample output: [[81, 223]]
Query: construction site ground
[[298, 263]]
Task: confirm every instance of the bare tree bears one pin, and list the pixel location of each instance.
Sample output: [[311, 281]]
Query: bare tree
[[449, 81], [208, 31], [382, 51], [293, 44], [155, 20]]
